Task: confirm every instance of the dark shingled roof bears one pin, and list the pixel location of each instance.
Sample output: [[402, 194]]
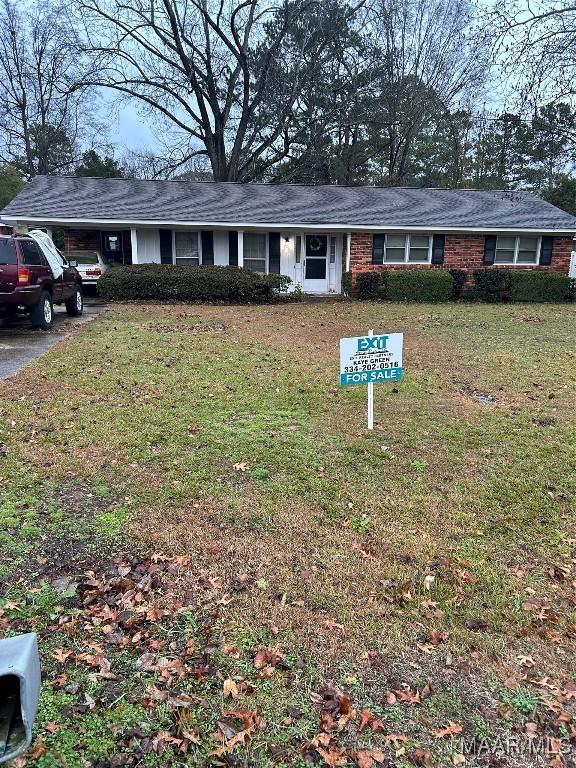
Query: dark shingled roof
[[212, 203]]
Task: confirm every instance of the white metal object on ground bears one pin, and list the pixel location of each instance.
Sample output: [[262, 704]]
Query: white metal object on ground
[[19, 692]]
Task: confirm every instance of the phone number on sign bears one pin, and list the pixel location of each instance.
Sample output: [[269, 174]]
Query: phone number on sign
[[369, 367]]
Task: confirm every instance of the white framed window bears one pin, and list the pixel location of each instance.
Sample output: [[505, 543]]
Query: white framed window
[[407, 249], [256, 252], [419, 248], [522, 249], [332, 250], [186, 248]]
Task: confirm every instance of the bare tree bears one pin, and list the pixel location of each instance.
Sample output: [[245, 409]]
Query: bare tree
[[394, 72], [204, 66], [536, 48], [40, 115], [432, 58]]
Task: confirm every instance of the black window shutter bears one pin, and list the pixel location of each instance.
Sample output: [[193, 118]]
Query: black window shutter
[[233, 248], [274, 253], [207, 248], [438, 242], [546, 251], [489, 249], [378, 249], [166, 246]]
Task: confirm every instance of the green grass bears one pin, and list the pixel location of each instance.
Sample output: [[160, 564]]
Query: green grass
[[125, 439]]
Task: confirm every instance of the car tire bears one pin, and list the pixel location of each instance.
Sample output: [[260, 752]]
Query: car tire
[[43, 313], [75, 304]]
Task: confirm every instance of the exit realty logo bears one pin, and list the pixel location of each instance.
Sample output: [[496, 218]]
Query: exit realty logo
[[371, 342]]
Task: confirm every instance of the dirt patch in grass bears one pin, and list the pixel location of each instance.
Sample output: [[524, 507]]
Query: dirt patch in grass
[[185, 327], [67, 519]]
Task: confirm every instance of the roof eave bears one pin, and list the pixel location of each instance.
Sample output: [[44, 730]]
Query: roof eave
[[13, 218]]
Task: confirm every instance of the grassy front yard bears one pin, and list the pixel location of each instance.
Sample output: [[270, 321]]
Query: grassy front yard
[[267, 583]]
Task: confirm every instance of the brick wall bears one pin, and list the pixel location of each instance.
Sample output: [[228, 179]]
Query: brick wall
[[460, 252], [561, 253], [464, 252], [82, 240]]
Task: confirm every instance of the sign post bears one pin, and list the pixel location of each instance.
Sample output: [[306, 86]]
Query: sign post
[[371, 359], [370, 395]]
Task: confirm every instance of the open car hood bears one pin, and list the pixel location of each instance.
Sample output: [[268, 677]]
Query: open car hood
[[53, 255]]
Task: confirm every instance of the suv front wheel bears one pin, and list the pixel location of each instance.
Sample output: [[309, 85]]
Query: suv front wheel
[[43, 313], [75, 304]]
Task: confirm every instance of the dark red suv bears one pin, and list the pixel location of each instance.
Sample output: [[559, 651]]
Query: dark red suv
[[28, 285]]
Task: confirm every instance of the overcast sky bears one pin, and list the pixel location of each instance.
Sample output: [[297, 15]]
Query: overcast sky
[[131, 131]]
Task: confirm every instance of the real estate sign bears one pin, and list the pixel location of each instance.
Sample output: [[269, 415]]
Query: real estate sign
[[371, 359]]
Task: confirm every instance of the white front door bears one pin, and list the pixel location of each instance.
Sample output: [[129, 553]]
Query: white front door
[[316, 264]]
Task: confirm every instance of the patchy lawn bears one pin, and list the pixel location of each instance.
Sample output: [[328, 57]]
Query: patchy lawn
[[225, 568]]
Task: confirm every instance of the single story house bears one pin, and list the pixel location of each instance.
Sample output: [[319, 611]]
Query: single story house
[[313, 234]]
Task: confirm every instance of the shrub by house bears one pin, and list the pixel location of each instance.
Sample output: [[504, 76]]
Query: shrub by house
[[162, 282]]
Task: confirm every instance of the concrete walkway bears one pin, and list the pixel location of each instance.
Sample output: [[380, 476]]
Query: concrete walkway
[[20, 344]]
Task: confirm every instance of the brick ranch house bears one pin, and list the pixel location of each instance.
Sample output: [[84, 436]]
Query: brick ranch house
[[313, 234]]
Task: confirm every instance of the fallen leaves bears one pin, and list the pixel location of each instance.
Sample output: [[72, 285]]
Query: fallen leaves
[[452, 729], [366, 758], [505, 711], [328, 749], [337, 709], [396, 739], [364, 552], [266, 660], [61, 655], [122, 610], [232, 734], [407, 695], [332, 625], [367, 718], [229, 688], [432, 639], [422, 757]]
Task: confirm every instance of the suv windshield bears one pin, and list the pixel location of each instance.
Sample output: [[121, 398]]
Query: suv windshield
[[8, 251]]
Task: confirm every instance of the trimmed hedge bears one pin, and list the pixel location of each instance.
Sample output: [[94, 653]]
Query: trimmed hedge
[[540, 286], [418, 285], [459, 277], [368, 285], [168, 282], [405, 285], [495, 285], [492, 285]]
